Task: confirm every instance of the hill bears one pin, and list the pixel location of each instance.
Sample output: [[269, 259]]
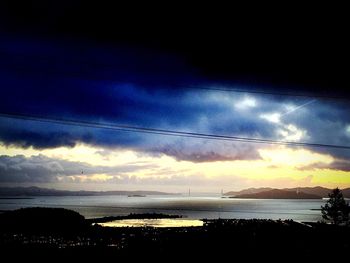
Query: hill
[[37, 191], [70, 238], [316, 191], [42, 220], [248, 191], [279, 194]]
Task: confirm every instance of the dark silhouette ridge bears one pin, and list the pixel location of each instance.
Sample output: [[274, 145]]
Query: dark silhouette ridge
[[43, 221], [221, 238]]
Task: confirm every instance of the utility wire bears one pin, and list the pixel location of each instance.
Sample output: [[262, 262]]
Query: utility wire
[[287, 94], [166, 132]]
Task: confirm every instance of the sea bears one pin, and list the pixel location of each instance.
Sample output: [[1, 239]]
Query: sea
[[201, 206]]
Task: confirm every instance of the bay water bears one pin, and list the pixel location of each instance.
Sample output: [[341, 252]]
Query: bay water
[[199, 206]]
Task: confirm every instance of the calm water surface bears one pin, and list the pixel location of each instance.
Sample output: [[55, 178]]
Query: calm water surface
[[191, 207]]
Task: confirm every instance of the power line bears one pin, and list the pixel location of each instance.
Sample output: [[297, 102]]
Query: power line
[[287, 94], [166, 132]]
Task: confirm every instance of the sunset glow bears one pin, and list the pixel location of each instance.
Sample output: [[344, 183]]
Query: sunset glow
[[127, 169]]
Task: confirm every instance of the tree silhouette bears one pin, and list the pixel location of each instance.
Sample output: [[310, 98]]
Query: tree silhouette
[[336, 209]]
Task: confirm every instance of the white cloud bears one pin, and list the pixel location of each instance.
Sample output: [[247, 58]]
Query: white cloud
[[271, 117], [348, 130], [247, 102], [292, 133]]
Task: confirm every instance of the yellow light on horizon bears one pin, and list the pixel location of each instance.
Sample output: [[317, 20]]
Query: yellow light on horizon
[[278, 166]]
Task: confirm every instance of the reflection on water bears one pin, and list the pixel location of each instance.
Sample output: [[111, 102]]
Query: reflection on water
[[166, 222]]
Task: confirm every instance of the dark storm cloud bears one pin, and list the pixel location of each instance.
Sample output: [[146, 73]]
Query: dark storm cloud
[[247, 45], [341, 165], [325, 121], [42, 169], [207, 151], [142, 87]]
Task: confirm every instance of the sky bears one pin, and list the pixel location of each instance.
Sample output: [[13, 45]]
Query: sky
[[148, 81]]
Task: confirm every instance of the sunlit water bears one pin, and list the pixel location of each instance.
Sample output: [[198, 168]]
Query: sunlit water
[[166, 222], [193, 207]]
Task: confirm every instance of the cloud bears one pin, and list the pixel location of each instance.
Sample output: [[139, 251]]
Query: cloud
[[206, 112], [42, 169], [325, 122], [209, 151], [271, 117], [246, 103], [144, 88], [341, 165], [186, 113]]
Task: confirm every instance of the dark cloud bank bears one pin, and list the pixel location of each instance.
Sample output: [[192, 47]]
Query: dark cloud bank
[[74, 60], [142, 87]]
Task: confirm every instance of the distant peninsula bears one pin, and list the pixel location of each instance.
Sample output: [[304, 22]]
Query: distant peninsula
[[278, 194], [38, 191], [286, 193]]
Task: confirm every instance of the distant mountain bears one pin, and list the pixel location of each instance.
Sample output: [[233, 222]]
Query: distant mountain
[[279, 194], [316, 191], [248, 191], [37, 191]]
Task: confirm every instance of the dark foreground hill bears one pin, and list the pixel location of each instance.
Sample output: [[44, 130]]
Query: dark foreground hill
[[46, 221], [218, 239]]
